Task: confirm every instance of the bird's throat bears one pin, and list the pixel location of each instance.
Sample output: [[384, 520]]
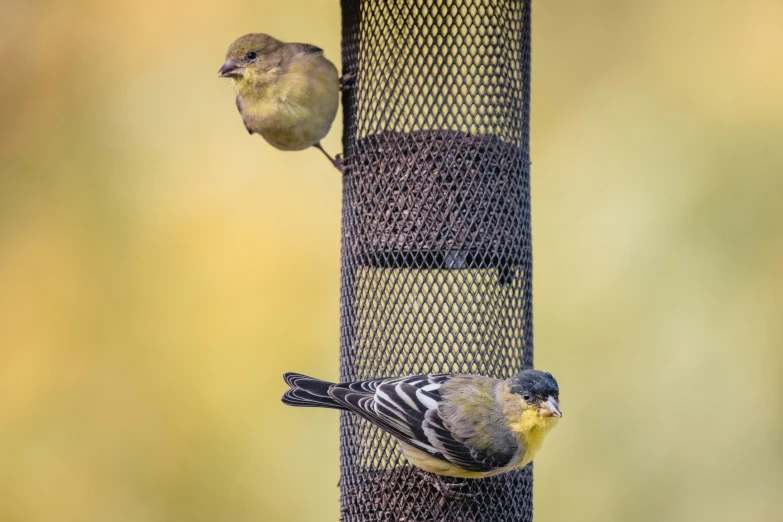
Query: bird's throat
[[532, 428]]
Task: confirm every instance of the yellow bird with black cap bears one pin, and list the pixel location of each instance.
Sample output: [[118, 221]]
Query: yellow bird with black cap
[[467, 426]]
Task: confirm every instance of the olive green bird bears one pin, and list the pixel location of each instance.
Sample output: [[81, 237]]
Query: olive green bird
[[465, 426], [286, 92]]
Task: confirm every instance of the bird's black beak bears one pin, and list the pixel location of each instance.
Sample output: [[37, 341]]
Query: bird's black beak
[[551, 407], [230, 69]]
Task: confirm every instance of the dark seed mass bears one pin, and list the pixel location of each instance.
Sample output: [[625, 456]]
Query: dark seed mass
[[379, 493], [444, 192]]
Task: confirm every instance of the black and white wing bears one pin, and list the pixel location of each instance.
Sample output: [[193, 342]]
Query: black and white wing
[[409, 409]]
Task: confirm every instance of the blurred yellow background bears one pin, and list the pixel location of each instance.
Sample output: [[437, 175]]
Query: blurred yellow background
[[160, 269]]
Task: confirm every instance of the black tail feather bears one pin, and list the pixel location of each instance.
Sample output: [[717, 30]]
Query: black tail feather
[[308, 392]]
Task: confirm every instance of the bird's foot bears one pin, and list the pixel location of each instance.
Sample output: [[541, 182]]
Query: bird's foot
[[346, 82], [447, 490], [339, 163]]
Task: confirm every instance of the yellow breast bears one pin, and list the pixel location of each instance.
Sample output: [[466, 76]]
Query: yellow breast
[[295, 109], [532, 428]]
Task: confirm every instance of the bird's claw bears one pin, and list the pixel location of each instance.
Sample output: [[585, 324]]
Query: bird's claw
[[339, 163], [445, 489], [346, 82]]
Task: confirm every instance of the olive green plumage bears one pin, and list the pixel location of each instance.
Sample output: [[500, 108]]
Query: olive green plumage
[[286, 92], [453, 425]]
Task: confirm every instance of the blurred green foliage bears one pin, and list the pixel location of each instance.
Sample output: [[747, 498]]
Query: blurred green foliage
[[160, 269]]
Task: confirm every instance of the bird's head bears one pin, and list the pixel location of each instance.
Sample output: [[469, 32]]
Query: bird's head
[[538, 392], [250, 57]]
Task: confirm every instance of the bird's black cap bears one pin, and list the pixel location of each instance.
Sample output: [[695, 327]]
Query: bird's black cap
[[541, 384]]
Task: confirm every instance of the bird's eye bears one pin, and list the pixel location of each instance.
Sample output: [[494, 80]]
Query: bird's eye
[[526, 396], [251, 55]]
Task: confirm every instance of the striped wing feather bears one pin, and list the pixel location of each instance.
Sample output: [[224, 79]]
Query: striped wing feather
[[409, 409]]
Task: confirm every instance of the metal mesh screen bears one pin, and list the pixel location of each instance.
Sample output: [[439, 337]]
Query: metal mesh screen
[[436, 258]]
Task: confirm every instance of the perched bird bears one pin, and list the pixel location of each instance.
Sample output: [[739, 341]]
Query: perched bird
[[286, 92], [466, 426]]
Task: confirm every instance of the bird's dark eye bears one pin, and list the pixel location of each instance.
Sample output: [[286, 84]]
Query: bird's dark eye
[[251, 55], [526, 396]]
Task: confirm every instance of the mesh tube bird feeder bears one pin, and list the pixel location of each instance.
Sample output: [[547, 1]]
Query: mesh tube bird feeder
[[436, 253]]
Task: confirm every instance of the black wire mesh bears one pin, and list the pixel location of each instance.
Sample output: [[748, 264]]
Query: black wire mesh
[[436, 257]]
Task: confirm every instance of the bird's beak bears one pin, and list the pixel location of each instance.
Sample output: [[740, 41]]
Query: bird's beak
[[230, 69], [551, 408]]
